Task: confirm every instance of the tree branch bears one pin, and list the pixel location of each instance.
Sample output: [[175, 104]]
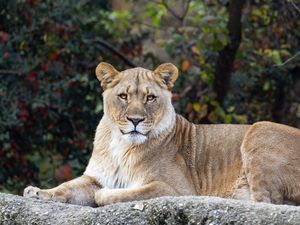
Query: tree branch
[[186, 8], [171, 10], [115, 51], [11, 72], [295, 6], [289, 59], [178, 17]]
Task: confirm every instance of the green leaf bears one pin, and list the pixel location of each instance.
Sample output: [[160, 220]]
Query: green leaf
[[196, 107], [266, 86], [276, 57], [220, 112], [228, 119], [99, 107], [242, 119], [231, 109]]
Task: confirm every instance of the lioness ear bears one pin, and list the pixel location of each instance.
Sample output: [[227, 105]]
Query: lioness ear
[[105, 74], [168, 73]]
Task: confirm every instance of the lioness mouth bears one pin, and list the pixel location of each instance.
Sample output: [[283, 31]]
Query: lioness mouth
[[134, 132]]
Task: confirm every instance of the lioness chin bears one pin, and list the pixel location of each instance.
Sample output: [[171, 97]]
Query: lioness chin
[[143, 149]]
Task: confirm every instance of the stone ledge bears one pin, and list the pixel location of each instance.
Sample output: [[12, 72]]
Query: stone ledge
[[166, 210]]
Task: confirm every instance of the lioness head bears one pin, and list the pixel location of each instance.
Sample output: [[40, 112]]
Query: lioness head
[[138, 101]]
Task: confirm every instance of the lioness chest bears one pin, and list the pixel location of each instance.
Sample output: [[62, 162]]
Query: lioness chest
[[117, 165]]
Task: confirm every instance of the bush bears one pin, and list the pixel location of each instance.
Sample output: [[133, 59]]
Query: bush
[[51, 100]]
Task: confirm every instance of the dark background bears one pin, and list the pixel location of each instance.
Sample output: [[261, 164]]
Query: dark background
[[239, 63]]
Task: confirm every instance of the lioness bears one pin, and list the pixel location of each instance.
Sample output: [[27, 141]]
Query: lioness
[[143, 149]]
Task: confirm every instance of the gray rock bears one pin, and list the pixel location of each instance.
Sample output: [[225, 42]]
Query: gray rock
[[166, 210]]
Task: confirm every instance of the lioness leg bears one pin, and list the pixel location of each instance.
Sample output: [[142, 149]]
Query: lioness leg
[[80, 191], [241, 189], [271, 160], [107, 196], [262, 190]]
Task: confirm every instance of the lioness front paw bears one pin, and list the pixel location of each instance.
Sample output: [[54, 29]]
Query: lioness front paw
[[107, 196], [37, 193]]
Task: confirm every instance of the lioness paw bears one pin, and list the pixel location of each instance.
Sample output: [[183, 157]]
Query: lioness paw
[[37, 193], [107, 196]]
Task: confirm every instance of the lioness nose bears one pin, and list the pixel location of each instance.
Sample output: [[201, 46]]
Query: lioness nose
[[135, 121]]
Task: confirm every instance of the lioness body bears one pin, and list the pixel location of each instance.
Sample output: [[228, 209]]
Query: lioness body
[[142, 149], [177, 160]]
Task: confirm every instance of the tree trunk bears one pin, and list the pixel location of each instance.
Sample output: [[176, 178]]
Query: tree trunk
[[224, 66]]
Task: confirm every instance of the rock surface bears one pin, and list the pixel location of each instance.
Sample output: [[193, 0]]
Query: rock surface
[[167, 210]]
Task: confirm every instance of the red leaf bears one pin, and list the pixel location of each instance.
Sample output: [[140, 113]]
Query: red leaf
[[175, 97], [139, 49], [63, 173], [5, 54], [32, 2], [31, 77], [186, 64], [44, 68], [52, 57], [23, 111], [3, 36], [27, 18]]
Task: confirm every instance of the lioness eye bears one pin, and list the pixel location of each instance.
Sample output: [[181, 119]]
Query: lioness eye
[[123, 96], [151, 98]]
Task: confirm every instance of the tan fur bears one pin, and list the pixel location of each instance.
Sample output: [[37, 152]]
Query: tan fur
[[167, 155], [271, 158]]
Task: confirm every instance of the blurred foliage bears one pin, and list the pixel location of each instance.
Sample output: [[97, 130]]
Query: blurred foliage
[[51, 101]]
